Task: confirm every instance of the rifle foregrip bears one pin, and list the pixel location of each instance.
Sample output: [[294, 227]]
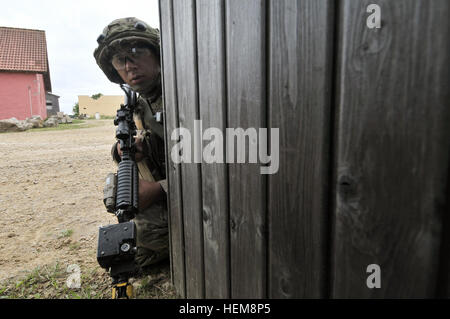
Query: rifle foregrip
[[127, 186]]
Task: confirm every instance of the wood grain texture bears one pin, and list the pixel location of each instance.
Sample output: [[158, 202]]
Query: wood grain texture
[[301, 48], [184, 12], [443, 288], [246, 78], [272, 63], [212, 99], [173, 174], [392, 147]]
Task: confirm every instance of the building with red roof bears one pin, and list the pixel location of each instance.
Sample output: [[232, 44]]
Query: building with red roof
[[25, 84]]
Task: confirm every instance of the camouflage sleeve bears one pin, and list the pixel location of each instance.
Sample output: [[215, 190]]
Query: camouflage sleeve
[[115, 154], [163, 184]]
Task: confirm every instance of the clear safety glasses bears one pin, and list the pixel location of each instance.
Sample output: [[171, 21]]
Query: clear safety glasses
[[133, 55]]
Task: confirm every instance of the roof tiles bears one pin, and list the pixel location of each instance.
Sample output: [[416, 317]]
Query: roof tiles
[[23, 50]]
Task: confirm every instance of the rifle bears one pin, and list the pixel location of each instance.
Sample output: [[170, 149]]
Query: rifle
[[117, 243]]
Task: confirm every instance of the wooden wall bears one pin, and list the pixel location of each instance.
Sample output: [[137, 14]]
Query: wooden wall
[[364, 130]]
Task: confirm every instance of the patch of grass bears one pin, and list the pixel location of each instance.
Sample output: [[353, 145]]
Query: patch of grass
[[154, 288], [76, 121], [50, 282], [76, 124], [102, 117], [74, 246], [65, 233], [107, 117], [156, 284]]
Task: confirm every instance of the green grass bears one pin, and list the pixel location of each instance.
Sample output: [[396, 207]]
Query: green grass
[[76, 124], [155, 288], [107, 117], [75, 121], [50, 282], [74, 246], [102, 117], [65, 233]]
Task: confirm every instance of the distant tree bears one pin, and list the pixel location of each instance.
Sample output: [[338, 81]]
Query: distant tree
[[76, 109], [96, 96]]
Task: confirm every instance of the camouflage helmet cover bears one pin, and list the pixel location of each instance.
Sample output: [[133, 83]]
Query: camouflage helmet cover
[[120, 32]]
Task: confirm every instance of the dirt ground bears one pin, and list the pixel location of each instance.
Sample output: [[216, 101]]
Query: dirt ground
[[51, 191]]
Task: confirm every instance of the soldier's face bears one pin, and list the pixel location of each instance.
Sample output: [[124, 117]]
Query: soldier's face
[[139, 68]]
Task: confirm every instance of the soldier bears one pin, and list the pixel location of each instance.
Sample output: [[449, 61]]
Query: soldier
[[129, 52]]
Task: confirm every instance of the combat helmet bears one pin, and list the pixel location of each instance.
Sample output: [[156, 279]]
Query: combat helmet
[[119, 32]]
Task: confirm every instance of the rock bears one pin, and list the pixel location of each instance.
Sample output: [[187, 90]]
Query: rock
[[25, 125], [36, 122], [51, 122], [14, 125], [9, 127], [12, 120], [30, 126]]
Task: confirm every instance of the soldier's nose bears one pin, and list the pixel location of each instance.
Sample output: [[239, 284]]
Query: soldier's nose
[[129, 65]]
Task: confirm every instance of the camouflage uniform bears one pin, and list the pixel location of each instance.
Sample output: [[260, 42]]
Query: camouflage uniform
[[151, 223]]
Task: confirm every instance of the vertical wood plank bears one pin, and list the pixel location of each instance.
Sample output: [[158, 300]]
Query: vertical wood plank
[[301, 44], [174, 196], [392, 147], [187, 92], [246, 76], [212, 102], [443, 288]]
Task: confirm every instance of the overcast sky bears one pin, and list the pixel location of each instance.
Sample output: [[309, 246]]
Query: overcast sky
[[71, 29]]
